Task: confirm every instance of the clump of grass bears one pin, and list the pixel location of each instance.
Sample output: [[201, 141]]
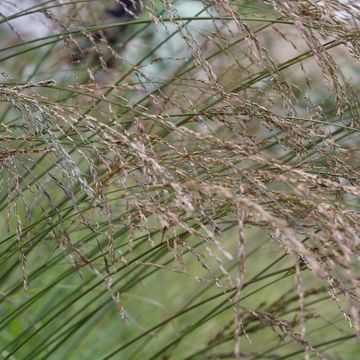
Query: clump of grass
[[180, 180]]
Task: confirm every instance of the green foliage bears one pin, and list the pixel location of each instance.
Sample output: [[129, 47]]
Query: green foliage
[[180, 182]]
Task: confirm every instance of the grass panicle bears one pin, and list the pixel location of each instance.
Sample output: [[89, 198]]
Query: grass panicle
[[179, 179]]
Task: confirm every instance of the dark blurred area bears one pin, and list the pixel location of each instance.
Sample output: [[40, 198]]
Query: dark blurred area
[[89, 50], [125, 9]]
